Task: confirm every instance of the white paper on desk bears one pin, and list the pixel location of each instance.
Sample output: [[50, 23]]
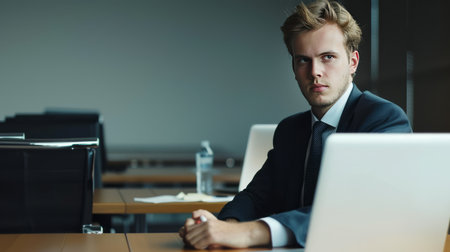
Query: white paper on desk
[[182, 197]]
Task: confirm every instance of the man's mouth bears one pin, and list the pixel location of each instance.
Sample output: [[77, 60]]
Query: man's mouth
[[318, 87]]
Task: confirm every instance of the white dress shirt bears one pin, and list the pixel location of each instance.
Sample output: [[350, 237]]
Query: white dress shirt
[[282, 236]]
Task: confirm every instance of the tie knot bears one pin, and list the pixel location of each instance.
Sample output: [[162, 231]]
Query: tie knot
[[320, 126]]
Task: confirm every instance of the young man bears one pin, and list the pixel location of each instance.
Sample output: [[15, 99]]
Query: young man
[[274, 209]]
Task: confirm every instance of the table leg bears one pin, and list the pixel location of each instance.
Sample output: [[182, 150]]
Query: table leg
[[140, 223]]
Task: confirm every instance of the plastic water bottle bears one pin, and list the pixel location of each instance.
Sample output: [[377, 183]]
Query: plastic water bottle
[[204, 162]]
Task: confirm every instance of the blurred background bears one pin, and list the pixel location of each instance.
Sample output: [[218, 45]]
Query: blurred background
[[164, 74], [167, 74]]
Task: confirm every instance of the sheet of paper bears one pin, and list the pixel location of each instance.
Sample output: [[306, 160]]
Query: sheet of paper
[[182, 197]]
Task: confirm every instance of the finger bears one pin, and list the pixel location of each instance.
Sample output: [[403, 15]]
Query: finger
[[182, 232], [201, 245], [200, 240], [193, 231], [209, 216], [197, 233], [215, 246], [188, 224]]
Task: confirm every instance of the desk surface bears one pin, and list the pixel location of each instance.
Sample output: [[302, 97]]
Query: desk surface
[[134, 207], [63, 242], [121, 201], [168, 175], [169, 242], [108, 201]]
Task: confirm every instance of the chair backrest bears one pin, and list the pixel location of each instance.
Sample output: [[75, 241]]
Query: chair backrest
[[259, 143], [46, 185], [61, 125], [12, 136]]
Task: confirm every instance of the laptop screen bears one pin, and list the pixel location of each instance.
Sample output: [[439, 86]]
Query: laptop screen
[[382, 192]]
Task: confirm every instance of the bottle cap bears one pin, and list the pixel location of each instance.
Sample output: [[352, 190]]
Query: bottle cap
[[205, 143]]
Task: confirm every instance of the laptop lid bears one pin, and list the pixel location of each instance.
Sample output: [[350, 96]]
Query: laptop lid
[[382, 192], [260, 141]]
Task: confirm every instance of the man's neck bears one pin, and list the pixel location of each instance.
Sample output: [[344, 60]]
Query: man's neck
[[320, 112], [332, 113]]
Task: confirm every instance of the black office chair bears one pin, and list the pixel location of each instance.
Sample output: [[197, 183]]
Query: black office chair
[[46, 185], [61, 124]]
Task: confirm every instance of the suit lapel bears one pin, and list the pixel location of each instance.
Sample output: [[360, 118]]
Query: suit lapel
[[300, 146], [304, 134], [347, 114]]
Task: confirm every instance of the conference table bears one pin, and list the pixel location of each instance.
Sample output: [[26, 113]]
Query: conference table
[[121, 201], [135, 242]]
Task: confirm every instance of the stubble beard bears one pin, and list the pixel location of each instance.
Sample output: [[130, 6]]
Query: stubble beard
[[324, 101]]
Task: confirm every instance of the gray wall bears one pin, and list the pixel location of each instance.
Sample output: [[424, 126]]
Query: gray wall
[[164, 74]]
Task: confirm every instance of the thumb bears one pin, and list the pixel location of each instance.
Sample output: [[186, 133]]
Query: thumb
[[209, 216]]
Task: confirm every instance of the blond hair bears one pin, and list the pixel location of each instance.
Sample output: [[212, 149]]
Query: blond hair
[[315, 15]]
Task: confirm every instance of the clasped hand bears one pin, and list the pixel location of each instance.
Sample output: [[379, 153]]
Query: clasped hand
[[214, 233]]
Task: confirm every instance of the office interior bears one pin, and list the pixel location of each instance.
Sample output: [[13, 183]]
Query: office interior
[[165, 75]]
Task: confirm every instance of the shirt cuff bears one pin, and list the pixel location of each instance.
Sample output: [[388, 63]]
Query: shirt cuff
[[281, 235]]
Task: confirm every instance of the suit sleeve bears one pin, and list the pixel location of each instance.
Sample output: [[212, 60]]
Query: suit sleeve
[[297, 221], [261, 197], [253, 202], [269, 194]]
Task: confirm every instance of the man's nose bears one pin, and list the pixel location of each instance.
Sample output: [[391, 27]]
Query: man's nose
[[316, 69]]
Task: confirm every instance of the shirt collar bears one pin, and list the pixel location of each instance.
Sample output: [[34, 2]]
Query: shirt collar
[[333, 115]]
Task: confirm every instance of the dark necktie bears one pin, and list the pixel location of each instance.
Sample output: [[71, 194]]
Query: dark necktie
[[313, 164]]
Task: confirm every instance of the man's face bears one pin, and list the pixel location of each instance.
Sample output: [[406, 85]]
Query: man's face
[[322, 66]]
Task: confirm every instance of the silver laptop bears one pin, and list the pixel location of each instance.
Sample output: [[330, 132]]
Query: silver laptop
[[382, 192], [259, 143]]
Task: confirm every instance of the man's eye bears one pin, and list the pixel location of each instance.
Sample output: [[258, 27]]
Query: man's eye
[[328, 57], [302, 60]]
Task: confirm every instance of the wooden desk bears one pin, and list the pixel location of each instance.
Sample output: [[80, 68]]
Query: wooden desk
[[121, 201], [108, 201], [63, 242], [169, 242], [168, 175], [133, 207], [173, 243]]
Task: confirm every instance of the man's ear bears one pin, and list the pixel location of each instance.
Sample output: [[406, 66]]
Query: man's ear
[[354, 61], [292, 63], [293, 68]]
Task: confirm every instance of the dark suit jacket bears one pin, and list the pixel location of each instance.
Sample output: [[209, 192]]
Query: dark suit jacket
[[276, 188]]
